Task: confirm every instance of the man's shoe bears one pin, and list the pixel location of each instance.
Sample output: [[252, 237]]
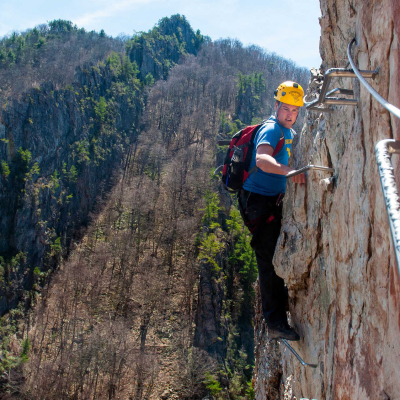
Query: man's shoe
[[282, 331]]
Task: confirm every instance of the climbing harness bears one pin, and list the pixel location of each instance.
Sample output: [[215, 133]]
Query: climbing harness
[[383, 151]]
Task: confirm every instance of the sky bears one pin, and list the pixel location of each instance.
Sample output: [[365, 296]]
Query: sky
[[289, 28]]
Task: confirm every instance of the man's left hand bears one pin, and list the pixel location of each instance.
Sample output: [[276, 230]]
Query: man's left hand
[[301, 178]]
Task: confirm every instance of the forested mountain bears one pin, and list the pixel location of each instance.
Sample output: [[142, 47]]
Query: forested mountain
[[49, 52], [154, 299]]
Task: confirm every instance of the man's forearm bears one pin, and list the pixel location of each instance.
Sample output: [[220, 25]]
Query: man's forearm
[[268, 164]]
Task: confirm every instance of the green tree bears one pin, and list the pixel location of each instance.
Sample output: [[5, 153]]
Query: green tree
[[101, 109], [212, 384], [3, 57], [211, 210], [4, 169], [26, 345], [114, 62], [235, 222], [245, 253], [54, 180], [61, 26], [249, 97], [41, 41], [11, 57], [209, 248], [149, 80]]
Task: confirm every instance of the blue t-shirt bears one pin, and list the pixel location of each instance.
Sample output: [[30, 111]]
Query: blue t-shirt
[[262, 182]]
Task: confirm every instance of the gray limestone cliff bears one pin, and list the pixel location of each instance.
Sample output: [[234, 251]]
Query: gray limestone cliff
[[335, 250]]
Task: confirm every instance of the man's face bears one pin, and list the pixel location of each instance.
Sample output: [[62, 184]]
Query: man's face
[[287, 114]]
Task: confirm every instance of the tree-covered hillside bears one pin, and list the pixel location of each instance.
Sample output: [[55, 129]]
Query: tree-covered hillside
[[60, 148], [155, 298], [49, 52]]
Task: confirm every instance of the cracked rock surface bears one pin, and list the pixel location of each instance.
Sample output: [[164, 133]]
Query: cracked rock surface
[[335, 251]]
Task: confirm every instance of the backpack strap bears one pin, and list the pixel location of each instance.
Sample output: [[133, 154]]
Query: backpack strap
[[279, 146]]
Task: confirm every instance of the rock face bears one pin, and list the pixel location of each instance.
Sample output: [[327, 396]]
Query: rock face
[[210, 328], [335, 251]]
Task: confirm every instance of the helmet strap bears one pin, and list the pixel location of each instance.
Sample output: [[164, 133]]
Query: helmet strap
[[277, 109]]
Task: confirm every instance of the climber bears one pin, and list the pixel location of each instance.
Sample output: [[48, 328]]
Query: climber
[[260, 203]]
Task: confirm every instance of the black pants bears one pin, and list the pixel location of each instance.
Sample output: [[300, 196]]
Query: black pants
[[263, 217]]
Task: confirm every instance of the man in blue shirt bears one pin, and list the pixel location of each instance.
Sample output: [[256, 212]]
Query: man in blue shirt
[[260, 203]]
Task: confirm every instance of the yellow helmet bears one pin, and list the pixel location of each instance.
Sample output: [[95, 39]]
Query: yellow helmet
[[290, 93]]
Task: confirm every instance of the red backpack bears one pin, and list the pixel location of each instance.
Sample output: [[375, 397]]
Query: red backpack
[[238, 156]]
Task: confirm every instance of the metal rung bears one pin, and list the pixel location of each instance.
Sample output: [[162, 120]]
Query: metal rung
[[320, 109], [348, 73], [297, 356], [308, 168], [340, 102], [348, 92]]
